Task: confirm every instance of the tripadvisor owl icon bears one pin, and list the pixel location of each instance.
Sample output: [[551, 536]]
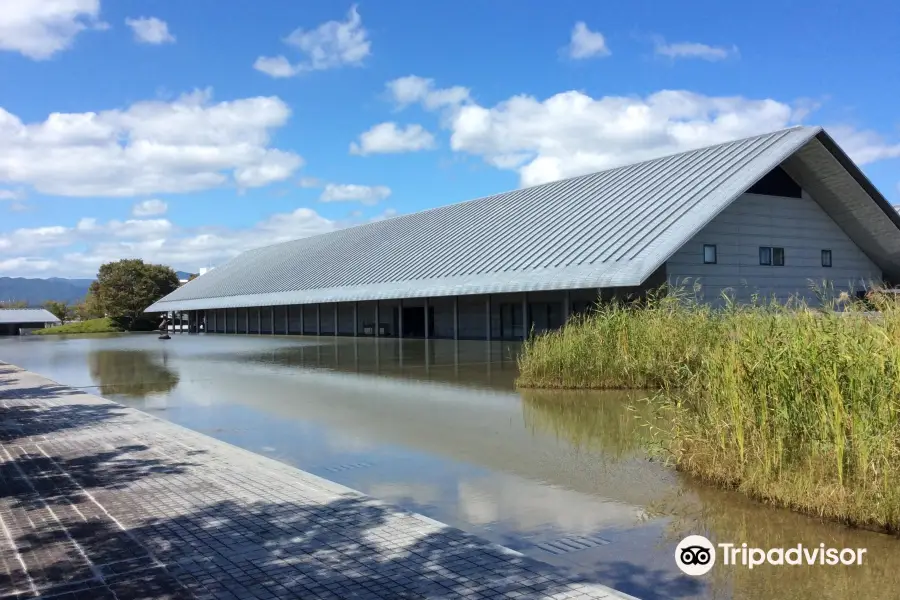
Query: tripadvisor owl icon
[[695, 555]]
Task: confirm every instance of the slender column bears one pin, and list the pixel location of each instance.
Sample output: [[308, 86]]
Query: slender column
[[427, 323], [400, 320], [287, 319], [225, 324], [355, 319], [247, 320], [272, 319], [318, 318], [259, 319], [377, 318], [455, 317], [181, 321], [302, 319], [525, 323], [215, 320], [567, 306], [336, 316], [487, 319]]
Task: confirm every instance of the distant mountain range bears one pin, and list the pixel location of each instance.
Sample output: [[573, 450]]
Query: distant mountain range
[[37, 291]]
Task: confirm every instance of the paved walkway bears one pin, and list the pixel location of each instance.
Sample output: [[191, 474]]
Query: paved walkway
[[102, 501]]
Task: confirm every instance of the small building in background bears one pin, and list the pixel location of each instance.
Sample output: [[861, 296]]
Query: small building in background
[[19, 321]]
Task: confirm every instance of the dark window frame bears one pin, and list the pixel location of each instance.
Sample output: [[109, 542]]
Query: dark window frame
[[826, 258], [771, 256], [777, 253], [715, 254]]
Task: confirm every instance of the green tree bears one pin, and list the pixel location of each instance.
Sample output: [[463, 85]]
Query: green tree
[[127, 287], [90, 307], [60, 310]]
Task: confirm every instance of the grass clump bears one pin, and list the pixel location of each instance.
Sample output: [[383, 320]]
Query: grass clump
[[101, 325], [657, 344], [795, 406]]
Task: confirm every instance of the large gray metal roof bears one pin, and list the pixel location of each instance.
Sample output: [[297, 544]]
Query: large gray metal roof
[[26, 315], [608, 229]]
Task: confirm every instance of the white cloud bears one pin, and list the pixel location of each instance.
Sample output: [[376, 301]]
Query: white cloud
[[388, 138], [348, 192], [274, 165], [413, 89], [39, 29], [80, 250], [150, 30], [149, 208], [25, 265], [275, 66], [13, 199], [138, 228], [13, 195], [330, 45], [150, 147], [585, 43], [572, 133], [863, 146], [30, 239], [309, 182], [694, 50]]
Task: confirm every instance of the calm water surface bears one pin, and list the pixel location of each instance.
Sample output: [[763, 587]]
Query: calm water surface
[[437, 427]]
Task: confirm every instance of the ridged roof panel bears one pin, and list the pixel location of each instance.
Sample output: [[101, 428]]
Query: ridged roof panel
[[26, 315], [606, 229]]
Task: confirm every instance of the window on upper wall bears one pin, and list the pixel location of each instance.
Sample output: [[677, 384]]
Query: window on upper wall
[[778, 257], [709, 254], [770, 256], [826, 258]]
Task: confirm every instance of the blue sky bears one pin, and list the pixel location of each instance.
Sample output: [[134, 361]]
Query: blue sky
[[185, 132]]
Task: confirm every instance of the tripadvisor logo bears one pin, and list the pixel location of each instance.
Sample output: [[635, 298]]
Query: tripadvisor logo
[[695, 555]]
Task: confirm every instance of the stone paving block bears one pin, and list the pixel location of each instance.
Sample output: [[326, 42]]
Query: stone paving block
[[102, 501]]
